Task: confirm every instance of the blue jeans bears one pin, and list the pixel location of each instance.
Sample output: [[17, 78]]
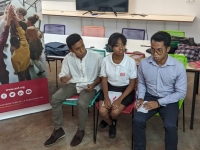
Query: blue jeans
[[169, 115]]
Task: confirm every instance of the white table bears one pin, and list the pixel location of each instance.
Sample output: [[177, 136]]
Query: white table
[[132, 45]]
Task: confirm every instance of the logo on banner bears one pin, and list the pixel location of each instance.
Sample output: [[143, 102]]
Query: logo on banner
[[12, 94], [20, 93], [28, 91], [3, 96]]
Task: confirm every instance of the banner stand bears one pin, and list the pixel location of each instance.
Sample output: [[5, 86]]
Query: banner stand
[[25, 111]]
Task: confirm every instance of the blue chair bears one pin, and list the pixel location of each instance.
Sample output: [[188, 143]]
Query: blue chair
[[72, 101], [136, 34], [54, 29]]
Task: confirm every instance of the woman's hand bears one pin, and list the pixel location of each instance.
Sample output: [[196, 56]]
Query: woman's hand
[[107, 103], [116, 104]]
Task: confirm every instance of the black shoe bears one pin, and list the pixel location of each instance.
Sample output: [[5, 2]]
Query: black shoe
[[103, 124], [56, 135], [112, 129], [40, 72], [78, 137]]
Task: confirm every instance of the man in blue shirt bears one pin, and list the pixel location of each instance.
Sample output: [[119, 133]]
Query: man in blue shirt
[[162, 82]]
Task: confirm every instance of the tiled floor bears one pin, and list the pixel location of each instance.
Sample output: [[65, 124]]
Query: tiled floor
[[31, 131]]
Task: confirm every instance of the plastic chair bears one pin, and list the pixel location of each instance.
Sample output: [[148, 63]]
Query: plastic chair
[[183, 60], [175, 33], [127, 110], [95, 31], [54, 29], [136, 34], [73, 102]]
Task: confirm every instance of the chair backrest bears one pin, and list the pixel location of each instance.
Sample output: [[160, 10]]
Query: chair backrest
[[95, 31], [175, 33], [54, 29], [183, 60], [101, 52], [136, 34]]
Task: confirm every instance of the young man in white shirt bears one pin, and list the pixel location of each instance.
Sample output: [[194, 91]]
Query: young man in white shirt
[[79, 74]]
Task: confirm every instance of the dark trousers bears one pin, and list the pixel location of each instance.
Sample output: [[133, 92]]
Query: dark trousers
[[4, 78], [169, 115], [24, 75]]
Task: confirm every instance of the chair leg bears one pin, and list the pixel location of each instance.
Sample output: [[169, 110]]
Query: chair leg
[[183, 117], [72, 110], [132, 129], [94, 133], [49, 66], [97, 122]]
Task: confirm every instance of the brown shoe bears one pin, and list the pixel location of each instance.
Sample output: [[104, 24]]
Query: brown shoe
[[78, 137]]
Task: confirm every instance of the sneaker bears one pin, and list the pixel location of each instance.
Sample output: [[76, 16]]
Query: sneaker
[[40, 72], [103, 124], [112, 129], [78, 137], [56, 135]]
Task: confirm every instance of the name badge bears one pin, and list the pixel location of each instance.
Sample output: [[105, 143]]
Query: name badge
[[122, 74]]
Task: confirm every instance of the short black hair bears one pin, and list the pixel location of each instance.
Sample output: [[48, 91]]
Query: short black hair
[[112, 41], [162, 36], [72, 39], [14, 41]]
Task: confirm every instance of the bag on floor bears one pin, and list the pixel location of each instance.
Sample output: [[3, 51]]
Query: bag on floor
[[56, 48]]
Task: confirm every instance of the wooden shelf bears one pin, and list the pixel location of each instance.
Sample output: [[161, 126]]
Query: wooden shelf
[[123, 16]]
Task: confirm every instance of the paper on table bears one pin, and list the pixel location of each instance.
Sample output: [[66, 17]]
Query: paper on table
[[142, 109], [113, 96]]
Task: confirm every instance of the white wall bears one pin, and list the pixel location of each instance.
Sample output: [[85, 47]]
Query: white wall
[[164, 7]]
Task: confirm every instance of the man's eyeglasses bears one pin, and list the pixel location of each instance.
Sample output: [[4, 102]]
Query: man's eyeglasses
[[158, 51]]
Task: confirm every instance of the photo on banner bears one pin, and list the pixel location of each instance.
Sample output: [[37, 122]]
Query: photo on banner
[[23, 81]]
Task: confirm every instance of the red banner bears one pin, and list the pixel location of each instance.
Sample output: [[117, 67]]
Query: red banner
[[23, 94]]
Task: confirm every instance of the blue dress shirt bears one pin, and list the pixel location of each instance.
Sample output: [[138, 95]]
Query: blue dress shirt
[[168, 81]]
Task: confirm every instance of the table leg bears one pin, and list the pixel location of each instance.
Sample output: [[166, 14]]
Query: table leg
[[197, 83], [196, 74], [56, 75]]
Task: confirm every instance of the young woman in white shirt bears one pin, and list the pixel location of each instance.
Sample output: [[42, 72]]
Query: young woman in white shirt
[[118, 72]]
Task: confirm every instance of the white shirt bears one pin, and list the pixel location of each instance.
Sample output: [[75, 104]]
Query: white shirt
[[119, 74], [83, 71]]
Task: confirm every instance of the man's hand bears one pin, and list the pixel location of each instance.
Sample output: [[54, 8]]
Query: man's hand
[[65, 79], [151, 105], [107, 103], [116, 104], [89, 88], [139, 103]]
